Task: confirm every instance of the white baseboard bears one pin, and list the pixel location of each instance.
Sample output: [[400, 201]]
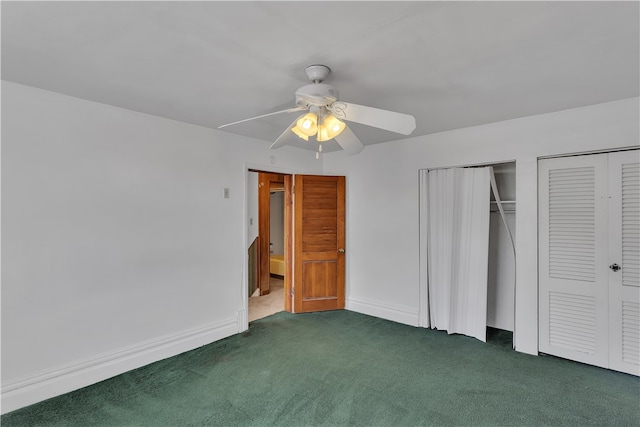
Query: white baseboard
[[26, 391], [243, 320], [384, 311]]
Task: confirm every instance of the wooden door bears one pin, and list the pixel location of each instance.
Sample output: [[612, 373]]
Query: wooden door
[[266, 181], [318, 243], [624, 262], [288, 243]]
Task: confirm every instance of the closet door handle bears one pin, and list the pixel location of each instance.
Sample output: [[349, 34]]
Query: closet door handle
[[614, 267], [341, 250]]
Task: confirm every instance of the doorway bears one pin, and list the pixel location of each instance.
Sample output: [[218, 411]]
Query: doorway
[[313, 265], [267, 261]]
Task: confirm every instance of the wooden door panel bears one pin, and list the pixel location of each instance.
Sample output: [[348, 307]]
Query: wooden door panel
[[319, 237], [288, 243], [266, 183], [263, 232], [319, 280], [318, 243]]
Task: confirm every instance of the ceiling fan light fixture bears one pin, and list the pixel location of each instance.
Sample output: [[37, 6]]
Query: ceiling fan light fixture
[[299, 134], [323, 111], [330, 128], [322, 134], [306, 125]]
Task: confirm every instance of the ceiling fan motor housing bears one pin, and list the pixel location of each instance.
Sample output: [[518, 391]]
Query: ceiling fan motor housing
[[317, 72], [316, 94]]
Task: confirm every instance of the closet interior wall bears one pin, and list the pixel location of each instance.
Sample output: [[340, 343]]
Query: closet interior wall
[[501, 280]]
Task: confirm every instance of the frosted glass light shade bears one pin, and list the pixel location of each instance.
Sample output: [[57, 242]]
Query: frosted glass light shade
[[307, 124], [299, 134], [330, 128]]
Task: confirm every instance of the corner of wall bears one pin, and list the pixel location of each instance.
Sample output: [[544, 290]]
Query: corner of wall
[[402, 315]]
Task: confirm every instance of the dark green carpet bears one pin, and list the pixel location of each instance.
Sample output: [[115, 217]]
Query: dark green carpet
[[344, 368]]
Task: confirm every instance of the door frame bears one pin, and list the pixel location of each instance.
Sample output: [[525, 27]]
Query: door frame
[[243, 314], [266, 182]]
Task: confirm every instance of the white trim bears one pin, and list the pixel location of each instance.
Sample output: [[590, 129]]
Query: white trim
[[243, 319], [258, 167], [402, 315], [473, 165], [588, 153], [525, 333], [424, 316], [26, 391]]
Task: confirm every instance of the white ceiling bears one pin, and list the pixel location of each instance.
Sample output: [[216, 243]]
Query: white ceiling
[[450, 64]]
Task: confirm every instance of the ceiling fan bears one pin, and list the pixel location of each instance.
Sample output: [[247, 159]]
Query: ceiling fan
[[325, 115]]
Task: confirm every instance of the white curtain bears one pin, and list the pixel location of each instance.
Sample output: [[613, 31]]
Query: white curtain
[[456, 217]]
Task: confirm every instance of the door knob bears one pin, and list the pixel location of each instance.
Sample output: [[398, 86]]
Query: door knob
[[341, 250], [614, 267]]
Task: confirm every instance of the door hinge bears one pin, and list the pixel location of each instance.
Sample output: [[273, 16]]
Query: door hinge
[[293, 189], [293, 292]]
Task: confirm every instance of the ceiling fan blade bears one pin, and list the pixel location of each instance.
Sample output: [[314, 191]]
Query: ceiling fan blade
[[349, 141], [290, 110], [383, 119], [281, 139]]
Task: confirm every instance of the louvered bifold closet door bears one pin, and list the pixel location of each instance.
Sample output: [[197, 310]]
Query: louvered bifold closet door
[[624, 250], [573, 265]]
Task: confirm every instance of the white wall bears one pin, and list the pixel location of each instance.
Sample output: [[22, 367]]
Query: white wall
[[276, 218], [118, 248], [382, 201], [252, 207], [502, 264], [501, 272]]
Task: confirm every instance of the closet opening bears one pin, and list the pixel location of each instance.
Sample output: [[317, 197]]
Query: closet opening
[[502, 268], [467, 244]]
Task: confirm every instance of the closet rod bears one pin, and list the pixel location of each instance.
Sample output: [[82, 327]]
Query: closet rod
[[504, 201]]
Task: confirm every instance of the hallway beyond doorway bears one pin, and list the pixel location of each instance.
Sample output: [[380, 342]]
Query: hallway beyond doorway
[[266, 305]]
